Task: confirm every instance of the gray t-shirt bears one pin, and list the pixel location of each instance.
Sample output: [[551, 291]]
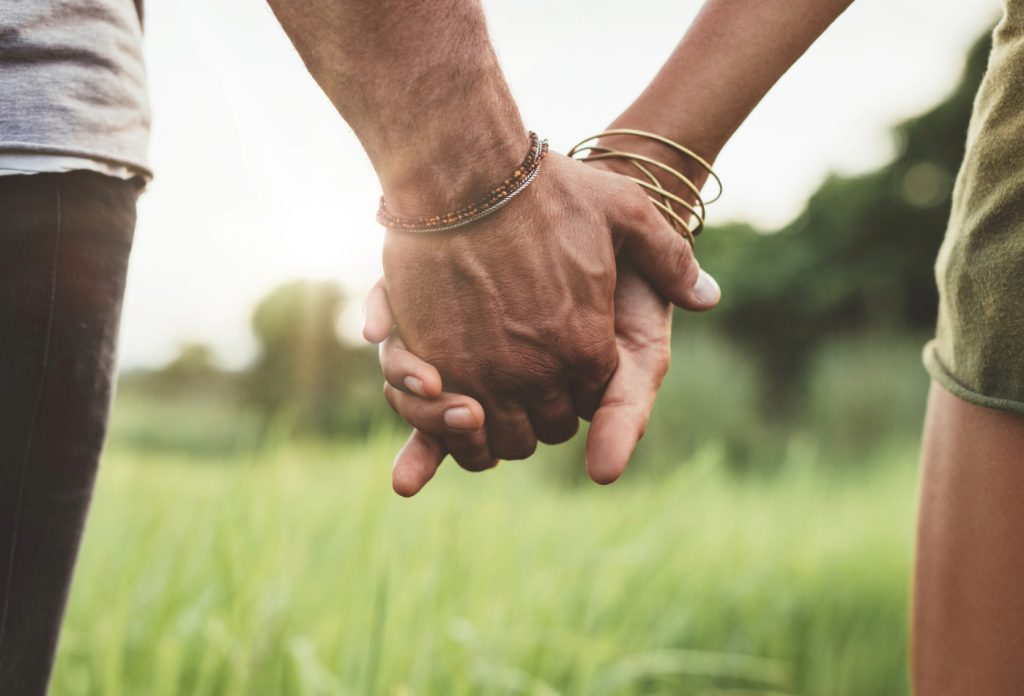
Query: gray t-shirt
[[72, 80]]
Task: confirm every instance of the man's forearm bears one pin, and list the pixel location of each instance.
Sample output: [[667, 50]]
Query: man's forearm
[[421, 86], [727, 61]]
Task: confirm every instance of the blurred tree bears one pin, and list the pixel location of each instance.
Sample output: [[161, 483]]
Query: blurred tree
[[859, 256], [194, 372], [195, 363], [304, 372]]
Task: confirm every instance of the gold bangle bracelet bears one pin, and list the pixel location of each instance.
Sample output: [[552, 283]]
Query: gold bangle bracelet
[[681, 149], [606, 153], [653, 185], [666, 205], [667, 209]]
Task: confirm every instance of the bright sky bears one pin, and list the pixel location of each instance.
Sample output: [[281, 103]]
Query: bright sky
[[259, 182]]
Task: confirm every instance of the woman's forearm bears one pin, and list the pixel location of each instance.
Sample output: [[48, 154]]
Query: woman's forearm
[[733, 53]]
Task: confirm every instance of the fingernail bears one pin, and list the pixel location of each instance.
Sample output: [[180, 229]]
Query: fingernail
[[706, 290], [415, 385], [459, 418]]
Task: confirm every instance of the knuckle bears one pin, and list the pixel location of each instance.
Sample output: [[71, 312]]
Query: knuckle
[[518, 373], [598, 359], [519, 449], [541, 377], [474, 460], [680, 266], [683, 250], [460, 372], [678, 255], [548, 393], [559, 432]]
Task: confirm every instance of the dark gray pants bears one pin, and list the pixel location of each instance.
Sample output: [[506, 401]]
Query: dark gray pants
[[64, 246]]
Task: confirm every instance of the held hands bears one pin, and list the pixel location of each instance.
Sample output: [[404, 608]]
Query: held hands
[[449, 423], [529, 321]]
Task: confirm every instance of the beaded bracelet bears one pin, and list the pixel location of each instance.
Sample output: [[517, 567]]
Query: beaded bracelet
[[651, 182], [497, 198]]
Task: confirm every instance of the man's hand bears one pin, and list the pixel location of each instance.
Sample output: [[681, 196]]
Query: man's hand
[[517, 310], [448, 423]]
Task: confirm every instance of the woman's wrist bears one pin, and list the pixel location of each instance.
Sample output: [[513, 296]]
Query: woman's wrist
[[687, 166]]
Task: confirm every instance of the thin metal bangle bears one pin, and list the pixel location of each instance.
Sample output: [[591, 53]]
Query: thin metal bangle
[[654, 185], [704, 164], [605, 153], [658, 188], [661, 191], [635, 159], [685, 231]]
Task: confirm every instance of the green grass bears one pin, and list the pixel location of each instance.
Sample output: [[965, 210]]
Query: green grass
[[297, 571]]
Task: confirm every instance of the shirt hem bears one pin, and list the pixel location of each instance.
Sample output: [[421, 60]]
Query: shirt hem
[[945, 378], [35, 148]]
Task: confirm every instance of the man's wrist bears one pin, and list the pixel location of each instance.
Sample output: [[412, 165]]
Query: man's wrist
[[421, 86], [453, 163]]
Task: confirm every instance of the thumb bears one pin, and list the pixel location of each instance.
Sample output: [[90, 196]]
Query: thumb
[[620, 420], [665, 258], [416, 463], [379, 317]]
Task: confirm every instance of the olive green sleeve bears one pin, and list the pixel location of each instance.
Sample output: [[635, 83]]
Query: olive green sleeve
[[978, 351]]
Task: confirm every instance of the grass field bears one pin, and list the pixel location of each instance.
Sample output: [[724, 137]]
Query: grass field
[[297, 571]]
